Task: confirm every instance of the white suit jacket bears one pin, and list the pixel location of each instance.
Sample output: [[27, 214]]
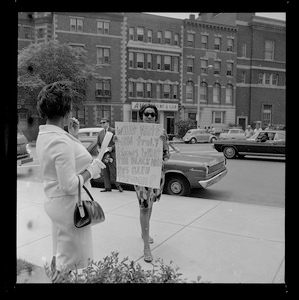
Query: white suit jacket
[[61, 157]]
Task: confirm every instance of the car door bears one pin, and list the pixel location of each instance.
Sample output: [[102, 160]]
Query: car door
[[278, 143], [256, 146]]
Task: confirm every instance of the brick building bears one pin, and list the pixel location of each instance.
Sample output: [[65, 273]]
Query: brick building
[[261, 68], [209, 72], [237, 59], [154, 66]]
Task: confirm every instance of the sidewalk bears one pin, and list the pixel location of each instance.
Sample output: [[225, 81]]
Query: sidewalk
[[223, 242]]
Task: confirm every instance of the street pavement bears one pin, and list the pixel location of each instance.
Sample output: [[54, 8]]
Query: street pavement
[[223, 242]]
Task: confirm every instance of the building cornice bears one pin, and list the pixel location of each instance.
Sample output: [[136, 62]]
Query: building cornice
[[154, 47]]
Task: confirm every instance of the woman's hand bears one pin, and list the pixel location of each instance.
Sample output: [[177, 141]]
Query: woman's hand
[[73, 127]]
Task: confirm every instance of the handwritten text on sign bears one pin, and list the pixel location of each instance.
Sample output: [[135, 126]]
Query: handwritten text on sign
[[139, 153]]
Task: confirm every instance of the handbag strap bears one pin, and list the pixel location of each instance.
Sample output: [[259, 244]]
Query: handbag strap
[[86, 190]]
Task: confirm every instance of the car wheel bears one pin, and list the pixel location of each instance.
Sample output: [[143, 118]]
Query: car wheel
[[229, 152], [213, 139], [177, 185], [193, 141]]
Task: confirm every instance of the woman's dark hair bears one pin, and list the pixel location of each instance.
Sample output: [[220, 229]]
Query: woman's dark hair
[[55, 100], [144, 107]]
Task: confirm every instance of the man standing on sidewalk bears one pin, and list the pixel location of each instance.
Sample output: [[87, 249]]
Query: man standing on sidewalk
[[109, 157]]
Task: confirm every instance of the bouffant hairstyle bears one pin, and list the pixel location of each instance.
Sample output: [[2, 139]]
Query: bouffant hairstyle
[[144, 107], [55, 100]]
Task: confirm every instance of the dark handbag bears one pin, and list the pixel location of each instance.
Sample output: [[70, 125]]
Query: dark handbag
[[87, 212]]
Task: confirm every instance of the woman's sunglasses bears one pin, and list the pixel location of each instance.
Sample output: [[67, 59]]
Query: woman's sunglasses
[[150, 114]]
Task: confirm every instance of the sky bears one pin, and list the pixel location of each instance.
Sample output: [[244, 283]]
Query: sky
[[185, 15]]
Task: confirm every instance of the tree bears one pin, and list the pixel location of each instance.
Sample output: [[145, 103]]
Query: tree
[[44, 63]]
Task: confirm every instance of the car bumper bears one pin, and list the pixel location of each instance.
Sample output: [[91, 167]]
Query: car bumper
[[24, 161], [211, 181]]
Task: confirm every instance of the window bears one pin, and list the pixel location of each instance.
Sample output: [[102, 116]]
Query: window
[[167, 63], [230, 45], [274, 79], [159, 36], [229, 71], [73, 24], [216, 93], [269, 50], [190, 40], [103, 88], [149, 90], [40, 33], [79, 25], [131, 91], [267, 115], [261, 78], [158, 91], [244, 50], [103, 27], [204, 41], [203, 66], [176, 39], [158, 62], [166, 91], [149, 61], [189, 90], [190, 65], [229, 94], [175, 64], [243, 78], [218, 117], [167, 39], [131, 33], [103, 55], [139, 89], [217, 65], [267, 78], [131, 60], [140, 34], [149, 36], [217, 43], [204, 91], [175, 92], [140, 60], [102, 111]]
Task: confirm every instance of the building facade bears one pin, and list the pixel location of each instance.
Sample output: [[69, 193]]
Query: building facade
[[209, 72], [216, 69]]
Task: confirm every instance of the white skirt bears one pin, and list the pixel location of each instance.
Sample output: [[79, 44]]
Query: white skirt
[[72, 246]]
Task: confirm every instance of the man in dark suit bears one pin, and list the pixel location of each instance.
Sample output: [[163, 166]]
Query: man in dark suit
[[109, 157]]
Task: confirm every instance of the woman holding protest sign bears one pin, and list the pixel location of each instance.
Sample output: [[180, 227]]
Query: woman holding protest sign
[[147, 196]]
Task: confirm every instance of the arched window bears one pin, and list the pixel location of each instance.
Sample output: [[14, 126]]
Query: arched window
[[216, 92], [229, 94], [189, 90], [204, 91]]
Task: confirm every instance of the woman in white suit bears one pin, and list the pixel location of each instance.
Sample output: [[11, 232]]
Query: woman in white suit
[[64, 162]]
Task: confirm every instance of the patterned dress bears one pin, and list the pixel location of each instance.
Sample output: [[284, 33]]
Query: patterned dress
[[146, 195]]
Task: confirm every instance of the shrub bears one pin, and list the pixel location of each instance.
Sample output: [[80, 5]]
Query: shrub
[[111, 270]]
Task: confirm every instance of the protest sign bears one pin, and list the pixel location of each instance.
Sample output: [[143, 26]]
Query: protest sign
[[138, 153]]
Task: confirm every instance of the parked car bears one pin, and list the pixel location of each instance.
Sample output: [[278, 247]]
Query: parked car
[[23, 149], [198, 136], [233, 133], [265, 143], [91, 131], [183, 171]]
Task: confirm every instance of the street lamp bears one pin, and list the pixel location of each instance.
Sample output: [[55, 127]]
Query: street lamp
[[198, 97]]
